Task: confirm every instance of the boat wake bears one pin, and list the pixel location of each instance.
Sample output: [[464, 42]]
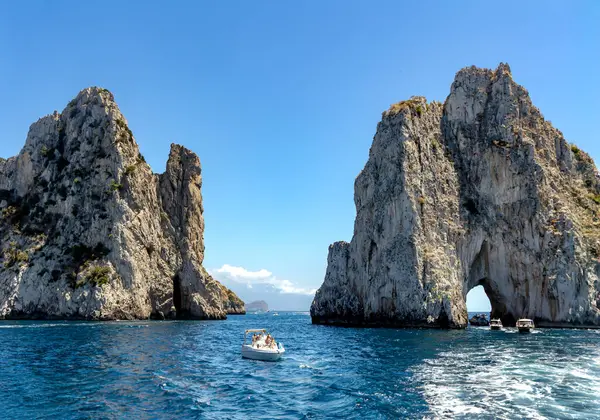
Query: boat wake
[[505, 378]]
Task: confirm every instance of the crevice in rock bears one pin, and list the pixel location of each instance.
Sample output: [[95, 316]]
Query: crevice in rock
[[177, 295]]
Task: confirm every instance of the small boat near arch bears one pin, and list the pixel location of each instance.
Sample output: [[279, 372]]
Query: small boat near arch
[[495, 324], [525, 325]]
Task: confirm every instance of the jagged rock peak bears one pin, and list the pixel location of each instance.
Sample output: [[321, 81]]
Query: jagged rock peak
[[88, 231], [478, 191], [503, 69]]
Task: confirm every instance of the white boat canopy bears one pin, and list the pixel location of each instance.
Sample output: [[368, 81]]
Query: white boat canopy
[[256, 330]]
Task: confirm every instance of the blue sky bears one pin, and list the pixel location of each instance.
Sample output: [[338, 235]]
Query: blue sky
[[281, 99]]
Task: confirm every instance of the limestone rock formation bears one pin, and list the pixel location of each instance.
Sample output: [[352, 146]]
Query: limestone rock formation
[[478, 191], [88, 231]]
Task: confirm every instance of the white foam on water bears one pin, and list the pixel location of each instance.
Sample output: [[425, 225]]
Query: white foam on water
[[486, 381]]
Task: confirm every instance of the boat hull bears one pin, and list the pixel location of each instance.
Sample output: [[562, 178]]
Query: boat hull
[[524, 329], [495, 328], [266, 355]]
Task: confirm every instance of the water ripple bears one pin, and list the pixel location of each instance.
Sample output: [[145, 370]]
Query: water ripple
[[152, 370]]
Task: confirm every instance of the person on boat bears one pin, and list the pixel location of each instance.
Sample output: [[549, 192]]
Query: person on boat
[[271, 343], [259, 341]]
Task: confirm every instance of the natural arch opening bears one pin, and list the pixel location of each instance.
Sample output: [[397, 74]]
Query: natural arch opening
[[486, 295], [477, 301], [489, 272]]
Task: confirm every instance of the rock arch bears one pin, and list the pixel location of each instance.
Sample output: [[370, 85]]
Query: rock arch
[[483, 271], [478, 191]]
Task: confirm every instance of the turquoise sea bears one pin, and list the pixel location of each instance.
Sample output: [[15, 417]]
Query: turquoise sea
[[193, 369]]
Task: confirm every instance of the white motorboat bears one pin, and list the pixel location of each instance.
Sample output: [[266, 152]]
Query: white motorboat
[[525, 325], [262, 346], [495, 324]]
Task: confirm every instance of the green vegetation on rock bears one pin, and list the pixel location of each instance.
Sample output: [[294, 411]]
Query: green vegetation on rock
[[114, 185], [13, 255], [98, 276]]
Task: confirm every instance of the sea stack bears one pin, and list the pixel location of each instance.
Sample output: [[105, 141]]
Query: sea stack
[[480, 190], [89, 232]]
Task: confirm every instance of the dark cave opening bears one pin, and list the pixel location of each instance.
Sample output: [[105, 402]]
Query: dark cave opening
[[471, 207], [177, 294]]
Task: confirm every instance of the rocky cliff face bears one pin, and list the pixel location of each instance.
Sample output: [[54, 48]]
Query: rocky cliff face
[[88, 231], [478, 191]]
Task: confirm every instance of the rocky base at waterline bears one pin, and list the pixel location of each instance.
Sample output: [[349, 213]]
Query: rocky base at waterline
[[480, 190], [479, 320], [89, 232]]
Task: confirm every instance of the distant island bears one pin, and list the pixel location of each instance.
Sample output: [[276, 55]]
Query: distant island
[[257, 306]]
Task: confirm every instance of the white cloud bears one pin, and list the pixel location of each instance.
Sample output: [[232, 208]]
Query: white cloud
[[249, 278]]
